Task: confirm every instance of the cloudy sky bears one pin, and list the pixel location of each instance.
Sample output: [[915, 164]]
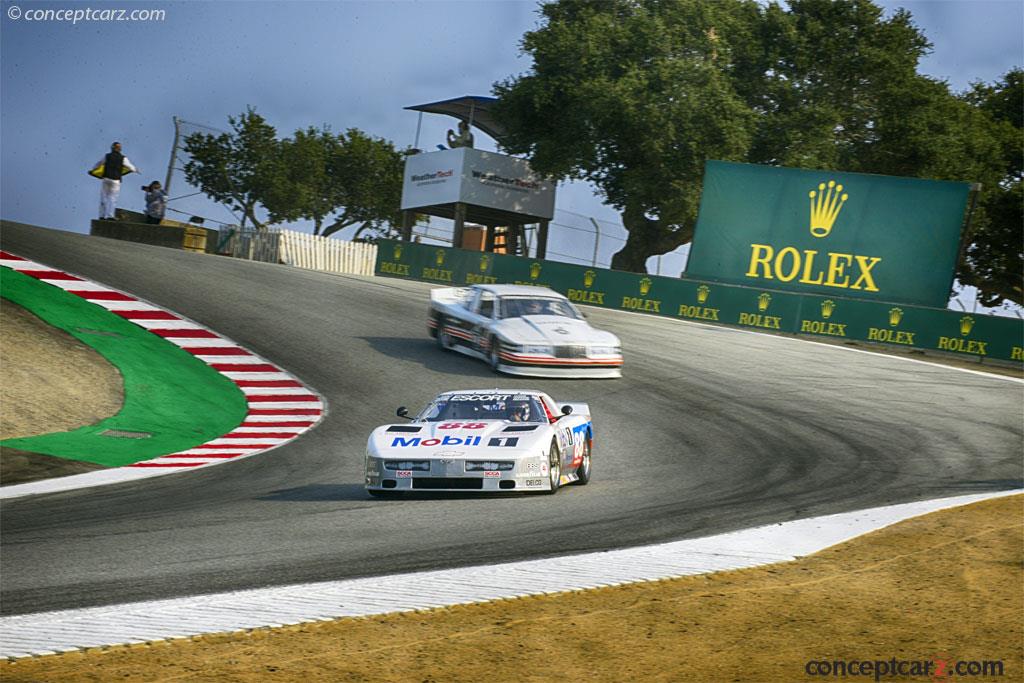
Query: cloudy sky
[[67, 89]]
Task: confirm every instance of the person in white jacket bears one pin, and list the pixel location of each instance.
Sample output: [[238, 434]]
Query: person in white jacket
[[109, 170]]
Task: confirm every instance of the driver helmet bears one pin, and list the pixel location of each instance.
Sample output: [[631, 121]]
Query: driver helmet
[[519, 410]]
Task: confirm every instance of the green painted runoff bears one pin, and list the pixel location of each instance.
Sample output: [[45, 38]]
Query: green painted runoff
[[168, 393]]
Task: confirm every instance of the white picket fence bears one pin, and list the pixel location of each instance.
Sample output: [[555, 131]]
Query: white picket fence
[[312, 252]]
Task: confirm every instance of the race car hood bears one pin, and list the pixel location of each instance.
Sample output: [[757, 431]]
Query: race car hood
[[428, 439], [552, 329]]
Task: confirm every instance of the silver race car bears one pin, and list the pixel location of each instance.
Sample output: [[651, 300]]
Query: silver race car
[[522, 330], [483, 440]]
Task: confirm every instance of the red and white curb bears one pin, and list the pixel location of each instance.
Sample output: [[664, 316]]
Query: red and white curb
[[155, 620], [280, 407]]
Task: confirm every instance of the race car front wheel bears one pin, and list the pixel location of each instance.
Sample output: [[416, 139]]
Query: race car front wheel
[[554, 468], [444, 340], [583, 471]]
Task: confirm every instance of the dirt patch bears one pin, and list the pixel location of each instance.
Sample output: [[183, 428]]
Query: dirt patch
[[52, 383], [19, 467], [946, 586]]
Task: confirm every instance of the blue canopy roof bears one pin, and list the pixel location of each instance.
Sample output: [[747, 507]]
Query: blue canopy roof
[[473, 109]]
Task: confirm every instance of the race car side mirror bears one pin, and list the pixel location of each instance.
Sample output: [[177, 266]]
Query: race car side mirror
[[566, 410], [402, 412]]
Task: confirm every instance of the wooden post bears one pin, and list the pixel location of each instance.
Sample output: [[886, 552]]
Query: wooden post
[[513, 240], [542, 240], [460, 220], [408, 218]]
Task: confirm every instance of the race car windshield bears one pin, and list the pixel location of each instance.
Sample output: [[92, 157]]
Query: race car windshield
[[517, 307], [474, 407]]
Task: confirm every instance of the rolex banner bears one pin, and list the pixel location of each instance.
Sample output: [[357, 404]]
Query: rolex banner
[[839, 318], [823, 232]]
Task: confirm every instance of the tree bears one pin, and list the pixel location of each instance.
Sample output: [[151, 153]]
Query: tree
[[345, 179], [994, 258], [237, 169], [635, 95], [632, 97]]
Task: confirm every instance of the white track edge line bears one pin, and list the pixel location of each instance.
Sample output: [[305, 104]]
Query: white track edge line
[[153, 620]]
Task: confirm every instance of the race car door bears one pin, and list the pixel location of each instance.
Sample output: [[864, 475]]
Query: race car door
[[481, 317]]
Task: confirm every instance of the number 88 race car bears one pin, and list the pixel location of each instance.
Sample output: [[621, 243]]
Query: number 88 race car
[[483, 440]]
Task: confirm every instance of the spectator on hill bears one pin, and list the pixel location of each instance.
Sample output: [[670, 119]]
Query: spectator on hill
[[109, 170]]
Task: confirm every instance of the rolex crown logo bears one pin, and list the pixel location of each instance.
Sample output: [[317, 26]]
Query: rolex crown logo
[[702, 293], [895, 316], [645, 286], [827, 307], [966, 323], [485, 261], [439, 258], [398, 251], [825, 206], [534, 271], [763, 300], [588, 278]]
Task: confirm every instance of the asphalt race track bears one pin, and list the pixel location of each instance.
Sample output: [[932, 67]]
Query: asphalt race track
[[709, 430]]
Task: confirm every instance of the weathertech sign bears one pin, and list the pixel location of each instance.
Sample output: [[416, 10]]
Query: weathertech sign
[[844, 234], [478, 178]]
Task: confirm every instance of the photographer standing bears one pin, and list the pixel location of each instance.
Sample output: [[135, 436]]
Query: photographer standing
[[156, 202]]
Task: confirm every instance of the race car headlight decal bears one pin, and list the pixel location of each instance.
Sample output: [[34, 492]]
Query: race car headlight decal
[[481, 466], [417, 465], [604, 350], [537, 349]]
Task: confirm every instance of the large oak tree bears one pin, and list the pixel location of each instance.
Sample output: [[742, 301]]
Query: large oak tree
[[635, 95]]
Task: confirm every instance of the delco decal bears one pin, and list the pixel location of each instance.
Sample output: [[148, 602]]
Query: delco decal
[[399, 442]]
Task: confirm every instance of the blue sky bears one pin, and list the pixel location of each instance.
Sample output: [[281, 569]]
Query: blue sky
[[68, 90]]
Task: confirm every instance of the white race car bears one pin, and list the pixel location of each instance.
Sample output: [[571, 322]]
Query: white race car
[[498, 440], [522, 330]]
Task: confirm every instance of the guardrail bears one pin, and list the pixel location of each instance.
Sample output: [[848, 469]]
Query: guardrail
[[976, 336]]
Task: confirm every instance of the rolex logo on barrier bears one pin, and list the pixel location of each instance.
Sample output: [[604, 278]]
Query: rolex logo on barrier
[[393, 267], [479, 279], [825, 207], [972, 346], [770, 322], [882, 334], [895, 316], [699, 312], [586, 295], [827, 308], [641, 303], [534, 270], [437, 273]]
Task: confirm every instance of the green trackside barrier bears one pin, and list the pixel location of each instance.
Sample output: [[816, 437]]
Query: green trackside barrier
[[975, 336], [172, 400]]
